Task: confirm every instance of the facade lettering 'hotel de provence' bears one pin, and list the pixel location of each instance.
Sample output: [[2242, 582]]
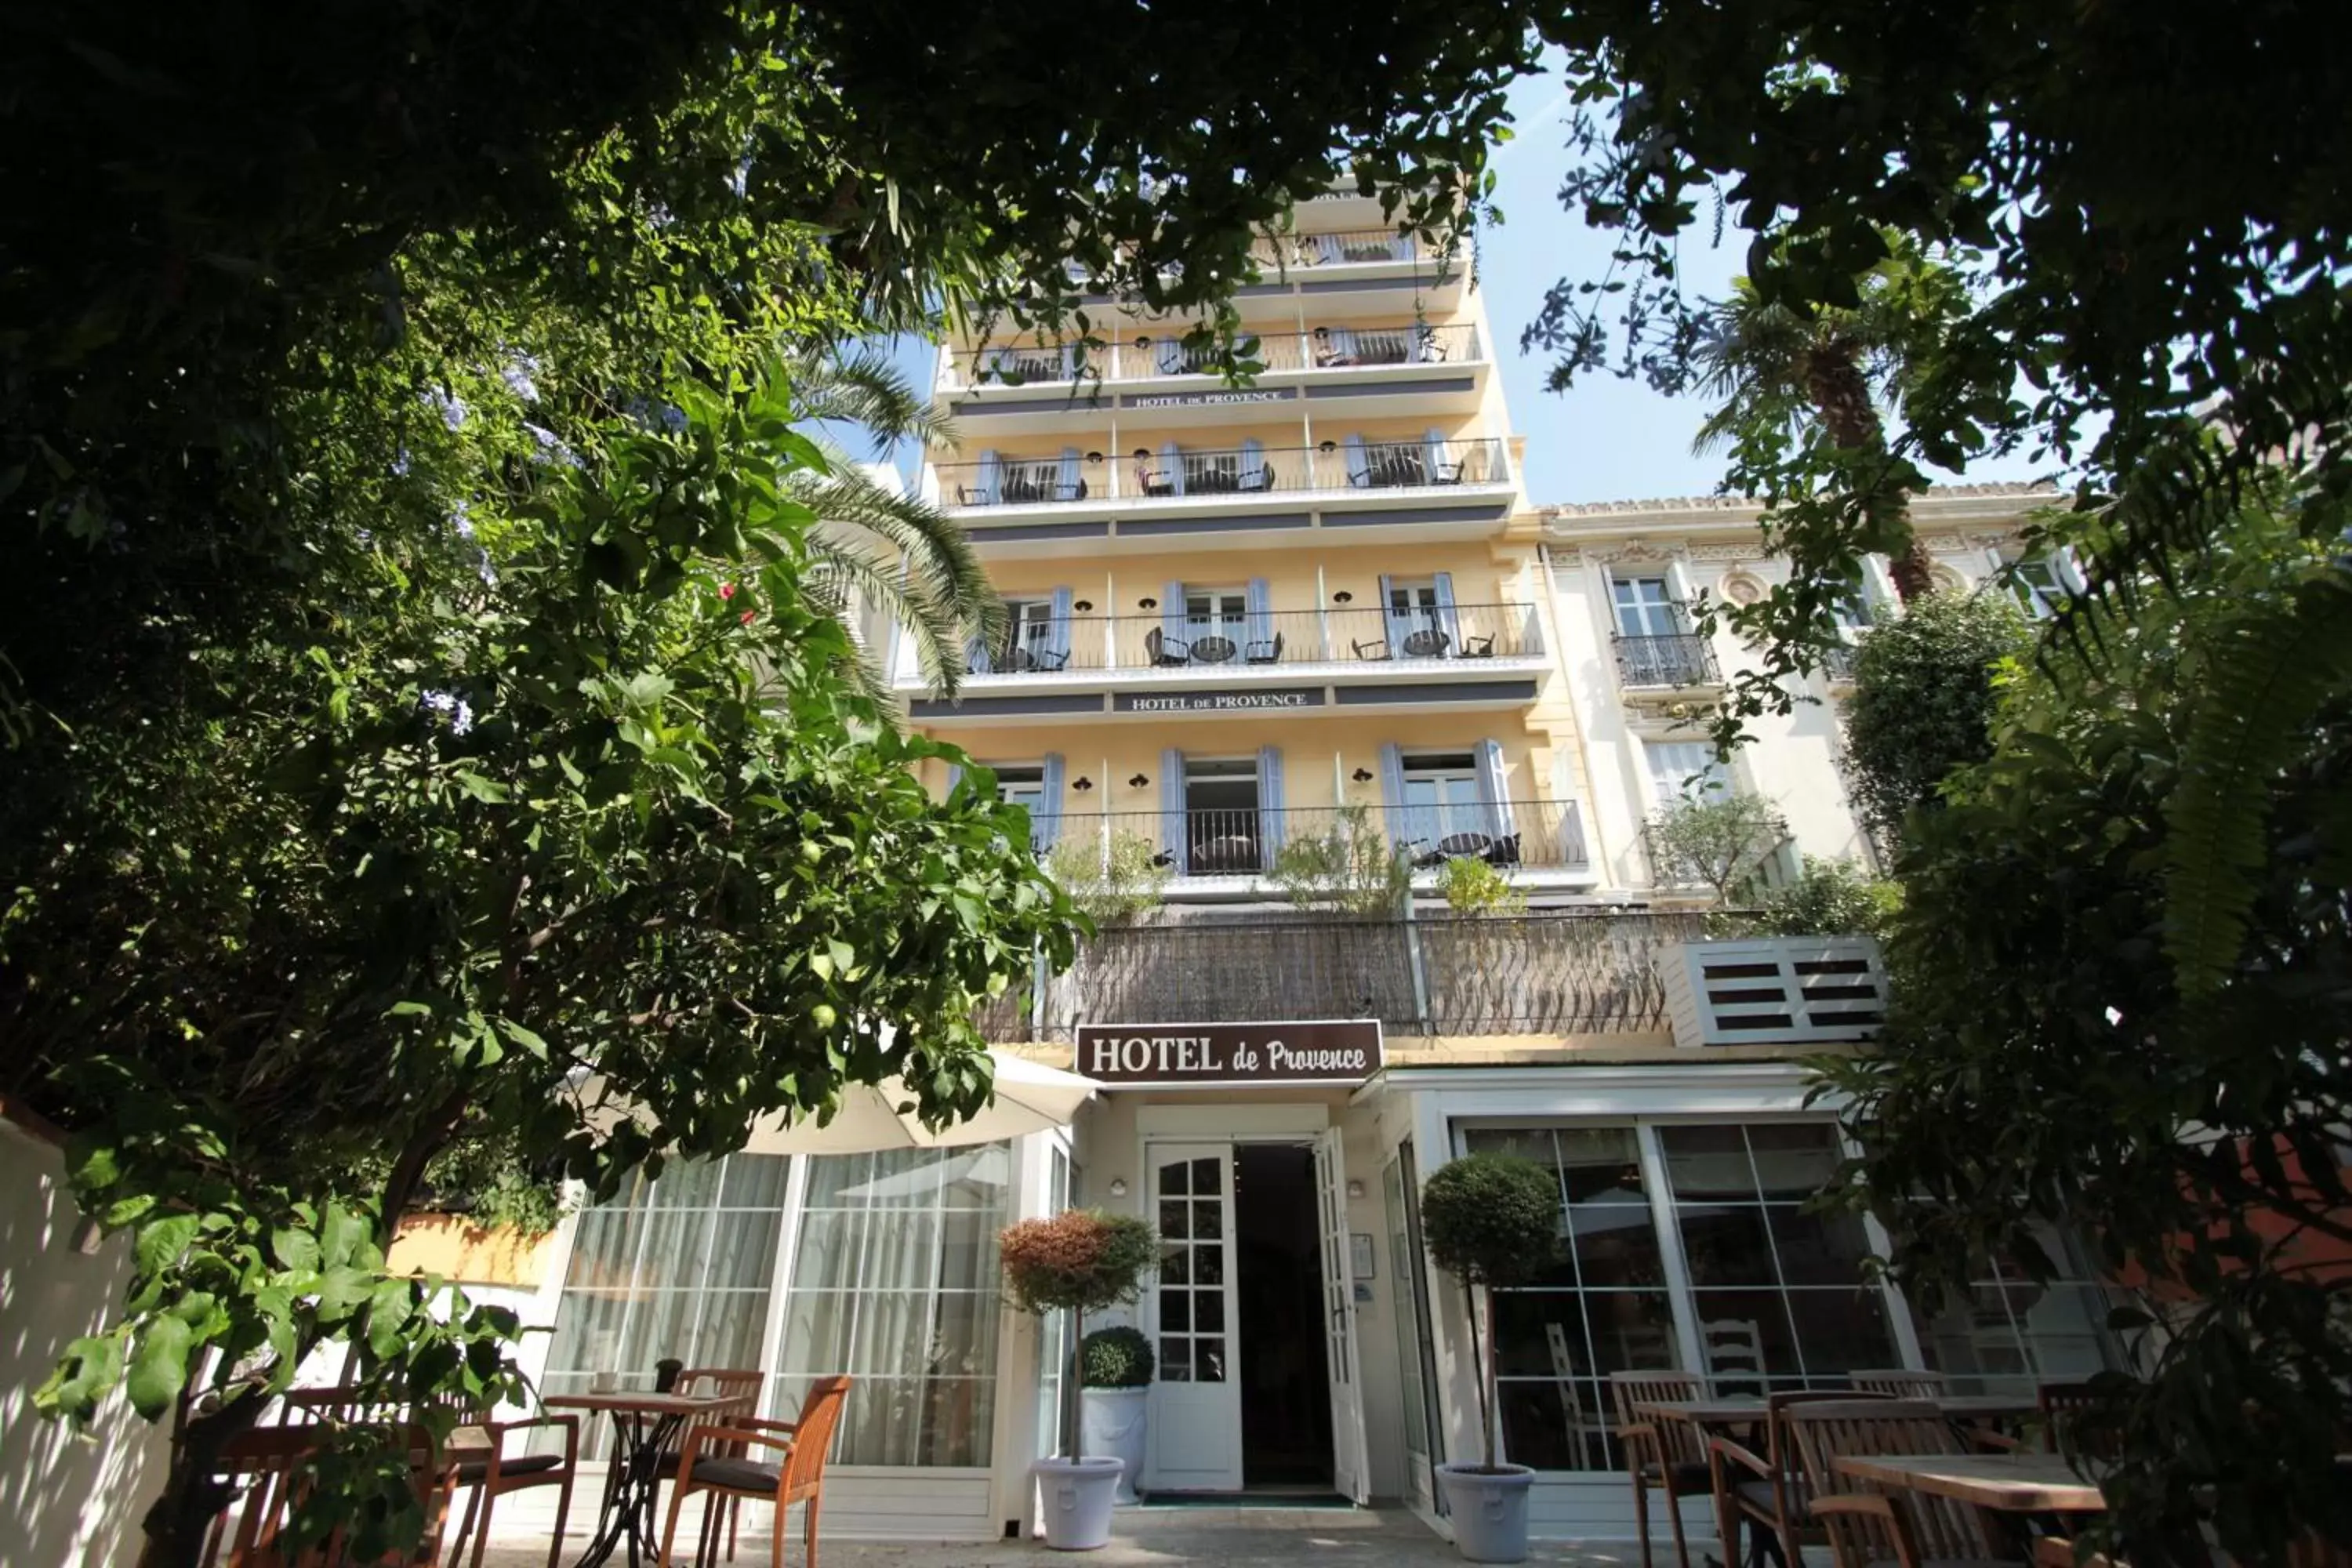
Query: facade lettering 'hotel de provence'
[[1253, 631]]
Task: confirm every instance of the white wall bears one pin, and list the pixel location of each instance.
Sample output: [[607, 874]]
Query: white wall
[[67, 1500]]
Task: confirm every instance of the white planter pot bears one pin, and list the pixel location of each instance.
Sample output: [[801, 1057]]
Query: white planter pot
[[1076, 1496], [1112, 1425], [1489, 1512]]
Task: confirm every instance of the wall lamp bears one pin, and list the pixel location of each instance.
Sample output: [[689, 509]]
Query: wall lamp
[[1147, 604], [1138, 782], [1118, 1186], [1093, 456], [1327, 447], [1343, 597], [1083, 606], [1362, 775], [1082, 785]]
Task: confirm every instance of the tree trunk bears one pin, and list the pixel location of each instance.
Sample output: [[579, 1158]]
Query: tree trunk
[[175, 1524], [1480, 1363], [1840, 394]]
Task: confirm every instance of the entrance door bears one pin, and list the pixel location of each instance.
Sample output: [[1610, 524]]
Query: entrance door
[[1196, 1401], [1347, 1476]]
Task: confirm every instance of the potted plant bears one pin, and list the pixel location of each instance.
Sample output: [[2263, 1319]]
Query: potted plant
[[1489, 1220], [1077, 1262], [1116, 1365]]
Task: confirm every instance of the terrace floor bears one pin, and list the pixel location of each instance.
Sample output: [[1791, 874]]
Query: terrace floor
[[1150, 1537]]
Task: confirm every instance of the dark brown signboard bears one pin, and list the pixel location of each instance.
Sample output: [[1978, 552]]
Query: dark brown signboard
[[1203, 1054]]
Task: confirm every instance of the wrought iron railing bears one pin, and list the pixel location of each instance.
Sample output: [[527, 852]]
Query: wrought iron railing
[[1151, 354], [1341, 247], [1680, 658], [1175, 640], [1555, 974], [1164, 473], [1837, 660], [1250, 841]]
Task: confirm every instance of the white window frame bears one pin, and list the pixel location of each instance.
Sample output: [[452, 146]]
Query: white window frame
[[1717, 779], [1645, 610]]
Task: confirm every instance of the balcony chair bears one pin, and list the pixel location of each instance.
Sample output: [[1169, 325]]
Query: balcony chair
[[1503, 851], [1264, 480], [1867, 1528], [709, 1464], [1373, 652], [1766, 1491], [1264, 652], [1666, 1455], [1165, 652], [1479, 646], [1071, 491]]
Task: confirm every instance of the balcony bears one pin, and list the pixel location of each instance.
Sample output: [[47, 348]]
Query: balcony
[[1246, 842], [1557, 972], [1837, 663], [1268, 640], [1149, 356], [1671, 662], [1171, 474]]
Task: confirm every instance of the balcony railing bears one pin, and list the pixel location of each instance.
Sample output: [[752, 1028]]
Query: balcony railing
[[1249, 841], [1837, 661], [1551, 973], [1154, 355], [1269, 639], [1166, 473], [1344, 247], [1681, 659]]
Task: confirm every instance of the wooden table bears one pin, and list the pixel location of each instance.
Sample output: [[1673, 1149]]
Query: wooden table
[[1731, 1411], [642, 1425], [2010, 1483], [1986, 1406]]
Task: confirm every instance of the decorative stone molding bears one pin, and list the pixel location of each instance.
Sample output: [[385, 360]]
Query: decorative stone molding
[[1741, 588], [1736, 551], [1947, 581]]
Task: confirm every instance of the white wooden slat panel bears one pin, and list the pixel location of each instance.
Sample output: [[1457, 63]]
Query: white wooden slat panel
[[1775, 991]]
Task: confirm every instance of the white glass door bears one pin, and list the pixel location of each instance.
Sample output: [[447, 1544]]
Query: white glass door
[[1195, 1442], [1340, 1320]]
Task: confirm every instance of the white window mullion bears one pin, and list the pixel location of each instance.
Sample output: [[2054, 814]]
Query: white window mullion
[[780, 1282], [1675, 1266]]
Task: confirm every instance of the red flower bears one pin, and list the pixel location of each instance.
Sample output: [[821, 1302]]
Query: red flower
[[726, 590], [747, 618]]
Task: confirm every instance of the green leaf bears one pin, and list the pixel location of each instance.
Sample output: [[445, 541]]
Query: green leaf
[[341, 1292], [488, 791], [295, 1249], [159, 1368], [524, 1038], [160, 1245]]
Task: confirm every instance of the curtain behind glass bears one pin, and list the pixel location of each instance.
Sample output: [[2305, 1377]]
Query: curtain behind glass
[[675, 1266], [895, 1284]]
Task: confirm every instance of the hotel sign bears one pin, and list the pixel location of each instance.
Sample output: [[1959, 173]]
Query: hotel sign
[[1215, 702], [1209, 399], [1199, 1056]]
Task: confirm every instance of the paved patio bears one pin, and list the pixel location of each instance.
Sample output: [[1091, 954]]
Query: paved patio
[[1238, 1538]]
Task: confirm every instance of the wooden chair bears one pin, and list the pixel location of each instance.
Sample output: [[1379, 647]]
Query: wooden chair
[[1662, 1454], [2063, 1407], [1766, 1490], [1900, 1383], [1866, 1527], [267, 1471], [741, 1387], [1582, 1430], [1734, 1351], [705, 1465]]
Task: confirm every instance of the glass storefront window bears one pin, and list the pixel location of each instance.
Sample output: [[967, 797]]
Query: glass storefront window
[[895, 1282], [1602, 1308], [680, 1265], [2008, 1334]]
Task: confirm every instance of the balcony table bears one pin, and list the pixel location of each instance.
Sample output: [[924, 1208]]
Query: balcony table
[[1454, 844], [2010, 1483], [1211, 649], [642, 1425], [1426, 644]]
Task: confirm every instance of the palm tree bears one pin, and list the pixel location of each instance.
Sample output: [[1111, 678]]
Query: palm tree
[[876, 542], [1775, 369]]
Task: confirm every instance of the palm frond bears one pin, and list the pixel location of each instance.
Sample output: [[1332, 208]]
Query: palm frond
[[937, 553], [862, 386], [839, 573]]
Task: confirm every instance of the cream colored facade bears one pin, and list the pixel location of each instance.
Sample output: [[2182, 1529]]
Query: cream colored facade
[[1624, 576]]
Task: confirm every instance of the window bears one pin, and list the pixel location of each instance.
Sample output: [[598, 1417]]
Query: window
[[894, 1283], [1644, 607], [1031, 626], [1603, 1307], [1413, 601], [1684, 771], [1442, 799], [676, 1266], [1852, 613], [1224, 831], [1022, 787], [1054, 1328], [1776, 1292], [2041, 585], [1216, 611], [2008, 1334]]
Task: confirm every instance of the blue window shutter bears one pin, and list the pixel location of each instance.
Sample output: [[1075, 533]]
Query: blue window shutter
[[1343, 343], [1393, 791], [1172, 614], [1170, 354], [1046, 821], [955, 776], [1172, 807], [1069, 363], [1327, 246], [1057, 630], [1395, 625], [983, 490], [1359, 462], [1495, 786], [975, 656], [1067, 490], [1401, 247], [1252, 463], [1446, 621], [1259, 602], [1270, 803], [1171, 466], [1433, 442]]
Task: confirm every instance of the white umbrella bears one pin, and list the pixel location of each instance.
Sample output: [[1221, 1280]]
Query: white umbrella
[[1030, 1098]]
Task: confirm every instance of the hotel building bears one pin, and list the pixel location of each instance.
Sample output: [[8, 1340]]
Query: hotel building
[[1293, 614]]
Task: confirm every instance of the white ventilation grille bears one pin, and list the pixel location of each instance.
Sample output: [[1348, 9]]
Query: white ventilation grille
[[1775, 991]]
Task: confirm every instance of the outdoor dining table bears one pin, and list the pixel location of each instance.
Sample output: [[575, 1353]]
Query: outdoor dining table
[[2008, 1483], [642, 1425]]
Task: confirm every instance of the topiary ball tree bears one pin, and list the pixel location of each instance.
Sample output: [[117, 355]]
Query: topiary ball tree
[[1490, 1220], [1116, 1357], [1079, 1261]]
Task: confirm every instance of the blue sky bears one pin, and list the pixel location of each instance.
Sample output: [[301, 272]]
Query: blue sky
[[1605, 439]]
